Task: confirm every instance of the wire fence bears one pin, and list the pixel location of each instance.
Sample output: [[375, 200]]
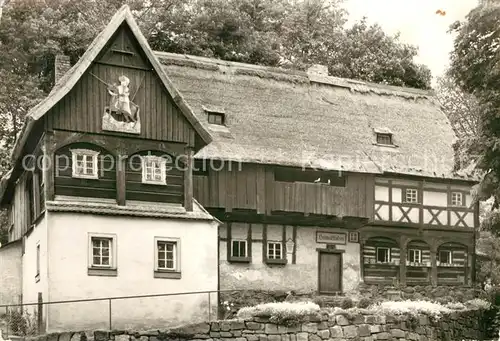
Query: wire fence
[[140, 312]]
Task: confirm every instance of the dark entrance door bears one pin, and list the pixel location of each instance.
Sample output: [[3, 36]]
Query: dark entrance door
[[330, 273]]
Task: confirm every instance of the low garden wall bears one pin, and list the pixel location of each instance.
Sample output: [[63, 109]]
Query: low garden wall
[[298, 324]]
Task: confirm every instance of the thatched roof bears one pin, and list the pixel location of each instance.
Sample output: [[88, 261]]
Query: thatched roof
[[276, 116]]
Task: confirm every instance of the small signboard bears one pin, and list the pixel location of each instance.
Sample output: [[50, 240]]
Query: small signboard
[[330, 237]]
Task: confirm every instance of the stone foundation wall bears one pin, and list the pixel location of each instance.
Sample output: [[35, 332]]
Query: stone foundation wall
[[442, 294], [366, 327]]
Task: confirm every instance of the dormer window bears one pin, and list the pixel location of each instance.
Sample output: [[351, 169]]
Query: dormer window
[[85, 163], [216, 118], [154, 169], [384, 139]]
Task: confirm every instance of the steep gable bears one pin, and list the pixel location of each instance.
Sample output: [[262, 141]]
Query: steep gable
[[79, 99]]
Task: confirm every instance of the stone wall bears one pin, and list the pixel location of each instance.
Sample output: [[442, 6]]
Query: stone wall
[[442, 294], [361, 326]]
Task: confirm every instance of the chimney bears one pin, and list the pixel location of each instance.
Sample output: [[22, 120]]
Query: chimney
[[62, 65], [318, 70]]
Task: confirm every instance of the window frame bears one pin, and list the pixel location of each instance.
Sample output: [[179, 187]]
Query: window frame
[[87, 153], [163, 169], [388, 254], [214, 117], [450, 256], [275, 243], [404, 193], [462, 199], [232, 249], [103, 270], [384, 135], [174, 273], [416, 251]]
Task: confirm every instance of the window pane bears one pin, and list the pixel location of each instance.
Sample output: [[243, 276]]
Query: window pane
[[161, 246], [170, 264], [96, 260], [161, 264], [105, 260]]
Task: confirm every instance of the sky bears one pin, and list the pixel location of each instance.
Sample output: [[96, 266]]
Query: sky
[[418, 24]]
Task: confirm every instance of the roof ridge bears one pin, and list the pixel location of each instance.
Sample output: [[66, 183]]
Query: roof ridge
[[352, 84]]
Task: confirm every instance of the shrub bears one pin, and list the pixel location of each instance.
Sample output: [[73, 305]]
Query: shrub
[[478, 303], [22, 323], [455, 306], [411, 307], [346, 303], [365, 302], [283, 313]]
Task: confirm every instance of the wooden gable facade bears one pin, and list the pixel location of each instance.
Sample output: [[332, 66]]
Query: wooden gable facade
[[82, 109], [115, 103]]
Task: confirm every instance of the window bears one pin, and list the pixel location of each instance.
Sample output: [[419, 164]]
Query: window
[[414, 256], [101, 252], [410, 195], [84, 163], [37, 276], [216, 118], [383, 255], [167, 258], [102, 255], [239, 248], [274, 250], [167, 255], [445, 257], [385, 139], [154, 170], [457, 199]]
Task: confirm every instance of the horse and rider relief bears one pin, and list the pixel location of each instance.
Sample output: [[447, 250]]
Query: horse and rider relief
[[122, 114]]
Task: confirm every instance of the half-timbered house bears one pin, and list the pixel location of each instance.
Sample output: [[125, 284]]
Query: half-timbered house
[[320, 184], [327, 185]]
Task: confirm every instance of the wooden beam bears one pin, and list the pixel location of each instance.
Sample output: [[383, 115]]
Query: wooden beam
[[433, 265], [48, 165], [188, 181], [403, 240], [121, 183]]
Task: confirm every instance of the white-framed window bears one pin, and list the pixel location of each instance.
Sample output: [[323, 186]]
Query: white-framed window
[[274, 250], [167, 254], [457, 199], [411, 195], [415, 256], [154, 170], [383, 255], [445, 257], [239, 248], [85, 164], [102, 251]]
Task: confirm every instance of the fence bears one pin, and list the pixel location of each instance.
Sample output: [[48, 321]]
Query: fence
[[141, 312]]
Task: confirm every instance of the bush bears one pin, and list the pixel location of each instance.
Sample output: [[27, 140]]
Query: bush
[[283, 313], [365, 302], [411, 308], [347, 303], [478, 303]]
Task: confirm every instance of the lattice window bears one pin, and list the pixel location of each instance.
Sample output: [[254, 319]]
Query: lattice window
[[274, 250], [411, 195], [154, 170], [239, 248], [167, 255], [383, 255], [85, 164], [457, 199]]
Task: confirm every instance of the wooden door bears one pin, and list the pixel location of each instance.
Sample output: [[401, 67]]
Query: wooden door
[[330, 273]]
